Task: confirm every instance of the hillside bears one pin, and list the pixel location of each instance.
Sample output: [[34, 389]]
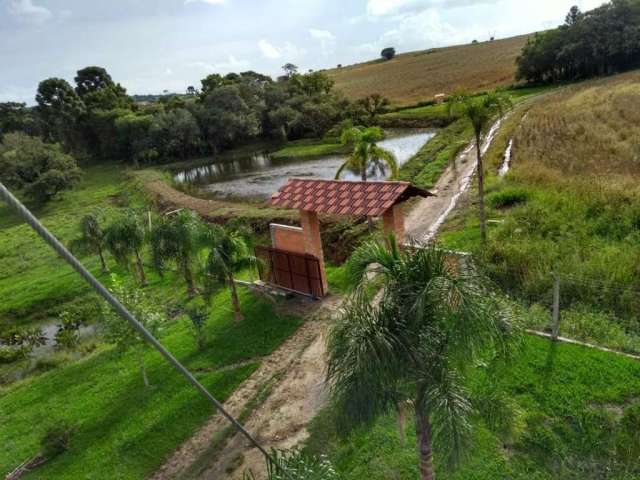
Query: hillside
[[570, 205], [418, 76]]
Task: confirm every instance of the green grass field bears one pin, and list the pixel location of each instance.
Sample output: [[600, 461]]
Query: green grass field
[[309, 148], [123, 429], [575, 414]]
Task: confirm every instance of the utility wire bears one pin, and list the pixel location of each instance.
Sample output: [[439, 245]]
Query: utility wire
[[61, 250]]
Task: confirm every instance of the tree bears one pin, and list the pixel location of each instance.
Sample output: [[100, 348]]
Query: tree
[[119, 332], [92, 238], [39, 169], [124, 238], [480, 111], [198, 317], [24, 339], [16, 117], [90, 79], [290, 69], [228, 255], [388, 53], [191, 91], [60, 108], [175, 133], [412, 346], [367, 156], [67, 336], [573, 16], [178, 239], [374, 105]]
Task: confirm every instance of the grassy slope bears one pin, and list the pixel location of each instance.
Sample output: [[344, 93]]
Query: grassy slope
[[417, 76], [32, 277], [570, 204], [577, 413], [124, 430], [308, 148]]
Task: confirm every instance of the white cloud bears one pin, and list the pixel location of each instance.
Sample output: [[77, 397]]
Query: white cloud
[[420, 31], [269, 50], [232, 64], [391, 8], [26, 11], [326, 38], [208, 2]]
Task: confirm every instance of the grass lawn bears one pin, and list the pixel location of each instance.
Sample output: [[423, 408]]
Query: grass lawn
[[124, 430], [575, 411]]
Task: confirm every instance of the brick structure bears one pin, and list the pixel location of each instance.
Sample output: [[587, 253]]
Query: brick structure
[[284, 237], [369, 199]]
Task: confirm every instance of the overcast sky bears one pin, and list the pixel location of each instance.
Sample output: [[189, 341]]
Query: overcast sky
[[152, 45]]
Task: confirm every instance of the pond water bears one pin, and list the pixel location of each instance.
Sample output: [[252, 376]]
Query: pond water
[[259, 175]]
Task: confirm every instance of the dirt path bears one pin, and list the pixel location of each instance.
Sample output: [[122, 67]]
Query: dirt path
[[428, 215], [297, 370]]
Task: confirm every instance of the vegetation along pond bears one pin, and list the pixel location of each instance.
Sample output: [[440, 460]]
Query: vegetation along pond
[[258, 175]]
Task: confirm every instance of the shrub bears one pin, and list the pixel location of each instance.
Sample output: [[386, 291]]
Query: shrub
[[388, 53], [507, 197], [57, 439]]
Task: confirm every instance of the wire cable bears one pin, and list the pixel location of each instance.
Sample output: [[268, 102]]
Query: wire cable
[[61, 250]]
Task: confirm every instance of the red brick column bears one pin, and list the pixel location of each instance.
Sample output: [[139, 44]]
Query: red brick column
[[394, 222], [312, 241]]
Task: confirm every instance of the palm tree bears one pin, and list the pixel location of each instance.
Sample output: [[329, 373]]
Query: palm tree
[[480, 111], [124, 238], [91, 238], [367, 155], [411, 345], [178, 239], [229, 254]]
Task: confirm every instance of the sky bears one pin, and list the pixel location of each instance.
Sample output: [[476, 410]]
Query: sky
[[154, 45]]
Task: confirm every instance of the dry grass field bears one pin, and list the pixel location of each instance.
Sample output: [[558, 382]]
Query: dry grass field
[[583, 130], [413, 77]]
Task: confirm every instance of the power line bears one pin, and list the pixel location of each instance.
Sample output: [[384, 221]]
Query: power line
[[61, 250]]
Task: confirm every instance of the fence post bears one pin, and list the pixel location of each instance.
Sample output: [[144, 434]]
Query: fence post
[[555, 325]]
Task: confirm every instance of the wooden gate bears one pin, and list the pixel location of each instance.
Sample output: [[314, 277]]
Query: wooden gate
[[298, 272]]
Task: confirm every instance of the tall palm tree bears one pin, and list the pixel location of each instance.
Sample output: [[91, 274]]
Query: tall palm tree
[[125, 238], [178, 239], [228, 254], [367, 155], [412, 345], [480, 111], [91, 238]]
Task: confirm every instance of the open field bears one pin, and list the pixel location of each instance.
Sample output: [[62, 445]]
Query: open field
[[574, 414], [570, 205], [417, 76], [124, 430]]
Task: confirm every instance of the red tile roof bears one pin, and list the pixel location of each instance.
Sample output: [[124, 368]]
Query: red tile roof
[[344, 198]]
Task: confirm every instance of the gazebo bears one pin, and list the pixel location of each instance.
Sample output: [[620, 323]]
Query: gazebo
[[296, 257]]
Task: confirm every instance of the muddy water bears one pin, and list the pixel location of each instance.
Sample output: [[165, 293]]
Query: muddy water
[[259, 175]]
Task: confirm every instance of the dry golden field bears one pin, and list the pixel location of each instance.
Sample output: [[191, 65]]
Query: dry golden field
[[417, 76], [583, 130]]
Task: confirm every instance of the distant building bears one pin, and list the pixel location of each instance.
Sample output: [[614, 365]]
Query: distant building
[[440, 98]]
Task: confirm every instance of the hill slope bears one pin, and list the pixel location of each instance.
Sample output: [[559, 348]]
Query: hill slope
[[418, 76]]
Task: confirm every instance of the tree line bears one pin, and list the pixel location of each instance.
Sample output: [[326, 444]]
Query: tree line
[[603, 41]]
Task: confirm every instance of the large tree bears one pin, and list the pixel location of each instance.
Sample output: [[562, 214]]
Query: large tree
[[60, 108], [412, 345], [480, 111], [41, 170], [90, 79]]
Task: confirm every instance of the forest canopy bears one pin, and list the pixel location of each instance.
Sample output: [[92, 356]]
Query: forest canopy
[[603, 41]]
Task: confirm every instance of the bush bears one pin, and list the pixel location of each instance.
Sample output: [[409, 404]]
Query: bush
[[57, 439], [39, 169], [10, 354], [388, 53], [507, 197]]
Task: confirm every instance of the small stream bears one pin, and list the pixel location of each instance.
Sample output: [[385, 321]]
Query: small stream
[[259, 175]]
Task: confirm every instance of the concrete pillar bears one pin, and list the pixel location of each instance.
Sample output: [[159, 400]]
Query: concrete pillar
[[393, 220], [313, 242]]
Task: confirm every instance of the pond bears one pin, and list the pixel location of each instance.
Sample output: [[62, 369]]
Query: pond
[[258, 175]]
